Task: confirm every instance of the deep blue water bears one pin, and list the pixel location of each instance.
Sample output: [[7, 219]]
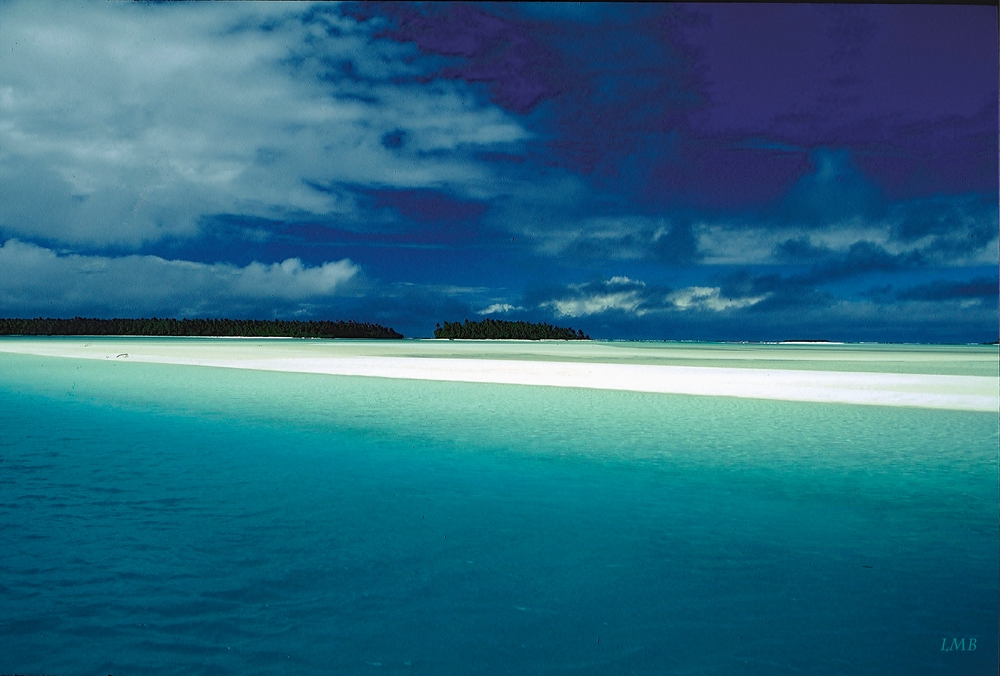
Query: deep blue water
[[183, 520]]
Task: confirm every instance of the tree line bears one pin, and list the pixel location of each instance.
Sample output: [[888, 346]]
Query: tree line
[[80, 326], [498, 329]]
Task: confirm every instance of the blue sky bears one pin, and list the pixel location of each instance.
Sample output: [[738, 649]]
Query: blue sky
[[649, 171]]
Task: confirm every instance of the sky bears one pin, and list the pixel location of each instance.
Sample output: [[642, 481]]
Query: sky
[[638, 171]]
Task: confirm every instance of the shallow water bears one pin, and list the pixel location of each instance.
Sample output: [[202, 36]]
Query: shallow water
[[176, 519]]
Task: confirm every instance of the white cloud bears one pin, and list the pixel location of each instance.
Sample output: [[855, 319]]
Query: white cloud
[[121, 123], [597, 303], [34, 277], [708, 298], [499, 307], [618, 293], [621, 279], [632, 296], [757, 244]]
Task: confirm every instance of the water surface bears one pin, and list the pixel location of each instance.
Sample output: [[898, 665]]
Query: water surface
[[176, 519]]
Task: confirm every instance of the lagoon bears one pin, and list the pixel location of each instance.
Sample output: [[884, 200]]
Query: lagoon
[[173, 518]]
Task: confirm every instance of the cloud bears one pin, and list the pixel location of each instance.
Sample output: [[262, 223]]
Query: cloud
[[860, 259], [608, 238], [120, 124], [820, 220], [939, 230], [709, 298], [635, 298], [627, 302], [594, 299], [938, 290], [499, 307], [36, 280], [833, 191], [602, 237], [495, 51], [952, 230], [905, 83]]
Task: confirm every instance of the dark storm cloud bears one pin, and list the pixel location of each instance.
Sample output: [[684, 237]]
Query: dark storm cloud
[[949, 228], [497, 51], [608, 113], [723, 173], [869, 77], [666, 101], [777, 292], [860, 259], [951, 154], [978, 287], [830, 191]]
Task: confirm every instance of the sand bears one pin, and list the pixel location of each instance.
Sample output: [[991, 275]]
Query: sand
[[927, 390]]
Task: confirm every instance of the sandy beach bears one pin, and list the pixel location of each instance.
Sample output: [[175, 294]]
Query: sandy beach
[[522, 365]]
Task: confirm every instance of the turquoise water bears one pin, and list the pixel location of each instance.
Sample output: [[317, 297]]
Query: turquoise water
[[183, 520]]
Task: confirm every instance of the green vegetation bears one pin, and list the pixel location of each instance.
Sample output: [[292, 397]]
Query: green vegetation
[[494, 329], [79, 326]]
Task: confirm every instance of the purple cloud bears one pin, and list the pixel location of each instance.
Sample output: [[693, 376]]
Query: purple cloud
[[660, 102]]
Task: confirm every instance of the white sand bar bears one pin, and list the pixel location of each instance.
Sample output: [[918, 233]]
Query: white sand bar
[[956, 392]]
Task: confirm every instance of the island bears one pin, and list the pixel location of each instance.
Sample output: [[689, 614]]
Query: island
[[808, 341], [231, 328], [497, 329]]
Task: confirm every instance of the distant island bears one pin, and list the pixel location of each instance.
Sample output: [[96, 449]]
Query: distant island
[[80, 326], [809, 340], [495, 329]]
